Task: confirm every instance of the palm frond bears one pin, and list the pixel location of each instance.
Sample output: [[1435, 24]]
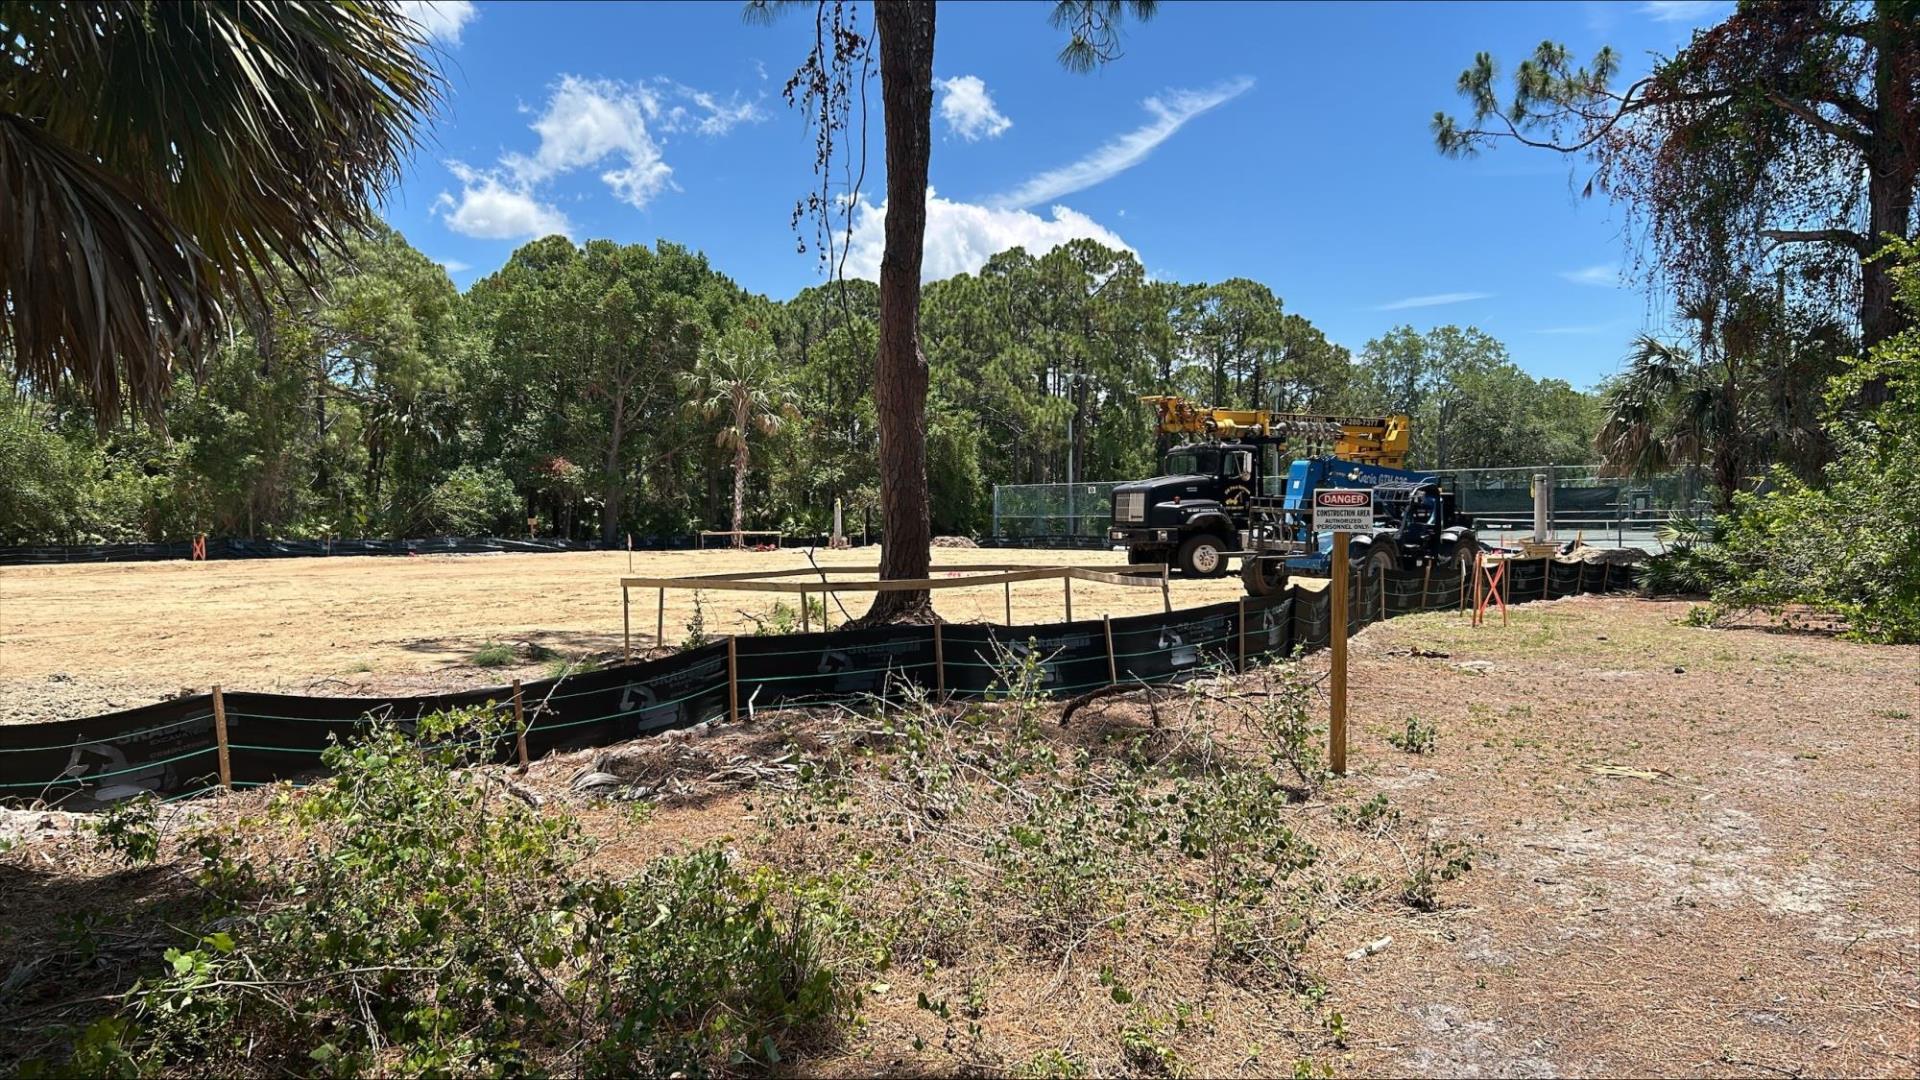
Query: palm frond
[[252, 137]]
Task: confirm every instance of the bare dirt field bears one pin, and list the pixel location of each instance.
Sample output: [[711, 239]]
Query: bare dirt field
[[1694, 852], [83, 639]]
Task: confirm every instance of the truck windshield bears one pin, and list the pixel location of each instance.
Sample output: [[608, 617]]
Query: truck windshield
[[1192, 461]]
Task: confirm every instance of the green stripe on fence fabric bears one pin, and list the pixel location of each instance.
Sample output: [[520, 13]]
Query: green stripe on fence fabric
[[91, 777]]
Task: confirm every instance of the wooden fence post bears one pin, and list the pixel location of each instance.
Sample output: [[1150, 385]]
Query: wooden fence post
[[1546, 574], [220, 737], [660, 619], [1066, 590], [626, 622], [1166, 594], [1605, 570], [1426, 584], [939, 662], [1009, 603], [1113, 665], [1243, 634], [1337, 668], [520, 724], [733, 679], [806, 613]]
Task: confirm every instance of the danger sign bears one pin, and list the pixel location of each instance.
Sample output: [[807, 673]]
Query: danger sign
[[1342, 509]]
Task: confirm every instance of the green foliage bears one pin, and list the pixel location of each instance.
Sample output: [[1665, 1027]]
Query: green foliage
[[130, 830], [1844, 543], [492, 654], [556, 388], [1471, 406], [430, 923], [696, 625], [1847, 546], [1417, 737], [560, 667], [473, 501], [1432, 863], [785, 618], [1693, 562]]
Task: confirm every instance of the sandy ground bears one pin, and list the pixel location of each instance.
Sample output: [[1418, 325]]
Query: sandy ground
[[83, 639], [1700, 849]]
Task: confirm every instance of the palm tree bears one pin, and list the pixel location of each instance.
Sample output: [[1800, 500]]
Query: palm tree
[[1734, 402], [156, 158], [739, 378]]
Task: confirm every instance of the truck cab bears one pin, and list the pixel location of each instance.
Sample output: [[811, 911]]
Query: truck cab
[[1191, 516]]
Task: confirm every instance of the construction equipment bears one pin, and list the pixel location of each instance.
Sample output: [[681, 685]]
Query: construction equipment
[[1195, 514], [1370, 440], [1416, 523]]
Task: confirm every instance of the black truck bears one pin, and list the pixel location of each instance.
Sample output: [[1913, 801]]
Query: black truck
[[1191, 515]]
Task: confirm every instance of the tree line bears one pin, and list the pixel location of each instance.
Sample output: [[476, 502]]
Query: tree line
[[598, 389]]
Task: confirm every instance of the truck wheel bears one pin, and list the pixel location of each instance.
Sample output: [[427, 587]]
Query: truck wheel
[[1263, 577], [1202, 556], [1452, 551], [1378, 561]]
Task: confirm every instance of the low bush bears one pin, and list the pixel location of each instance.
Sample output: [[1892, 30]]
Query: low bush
[[412, 916]]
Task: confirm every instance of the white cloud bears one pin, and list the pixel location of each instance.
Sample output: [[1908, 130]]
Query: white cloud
[[1433, 300], [1604, 275], [453, 266], [492, 209], [440, 20], [1685, 11], [962, 236], [969, 111], [588, 123], [1170, 114]]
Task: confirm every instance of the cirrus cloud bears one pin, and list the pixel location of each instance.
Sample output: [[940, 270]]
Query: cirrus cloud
[[1432, 300], [1171, 112]]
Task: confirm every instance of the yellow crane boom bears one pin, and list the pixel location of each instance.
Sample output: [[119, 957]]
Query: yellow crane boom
[[1372, 440]]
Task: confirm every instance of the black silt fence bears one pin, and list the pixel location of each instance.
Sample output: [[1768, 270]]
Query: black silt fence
[[171, 748], [233, 548]]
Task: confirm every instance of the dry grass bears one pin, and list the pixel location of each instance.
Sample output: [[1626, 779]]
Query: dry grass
[[83, 639], [1694, 853]]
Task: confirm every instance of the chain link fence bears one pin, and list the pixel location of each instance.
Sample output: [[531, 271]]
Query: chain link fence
[[1066, 510]]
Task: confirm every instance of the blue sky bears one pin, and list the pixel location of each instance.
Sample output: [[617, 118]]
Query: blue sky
[[1288, 143]]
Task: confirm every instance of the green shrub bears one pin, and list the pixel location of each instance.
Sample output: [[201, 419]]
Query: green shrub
[[1417, 737], [130, 830], [408, 917], [1847, 544], [473, 501], [492, 654]]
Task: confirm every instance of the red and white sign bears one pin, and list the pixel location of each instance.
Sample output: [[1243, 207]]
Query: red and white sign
[[1342, 509]]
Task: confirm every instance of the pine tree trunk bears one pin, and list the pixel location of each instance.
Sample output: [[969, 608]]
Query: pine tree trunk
[[1893, 162], [905, 30]]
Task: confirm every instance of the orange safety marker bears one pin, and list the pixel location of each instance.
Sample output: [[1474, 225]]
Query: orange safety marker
[[1489, 578]]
